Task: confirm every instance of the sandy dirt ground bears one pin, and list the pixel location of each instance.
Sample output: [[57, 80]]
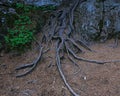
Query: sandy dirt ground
[[87, 79]]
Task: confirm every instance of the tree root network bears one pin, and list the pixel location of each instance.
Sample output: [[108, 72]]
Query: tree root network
[[61, 29]]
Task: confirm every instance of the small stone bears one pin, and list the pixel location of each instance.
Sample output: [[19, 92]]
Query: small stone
[[84, 77]]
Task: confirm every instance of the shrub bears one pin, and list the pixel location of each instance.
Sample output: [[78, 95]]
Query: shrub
[[21, 35], [22, 27], [19, 38]]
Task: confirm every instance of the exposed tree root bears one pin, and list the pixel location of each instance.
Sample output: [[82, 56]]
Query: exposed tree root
[[31, 65], [58, 61], [61, 29], [84, 45]]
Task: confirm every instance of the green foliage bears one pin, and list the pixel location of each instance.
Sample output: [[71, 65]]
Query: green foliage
[[21, 35], [23, 20], [22, 26], [23, 9], [19, 38]]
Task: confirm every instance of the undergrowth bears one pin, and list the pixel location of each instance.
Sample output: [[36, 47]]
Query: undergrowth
[[21, 35]]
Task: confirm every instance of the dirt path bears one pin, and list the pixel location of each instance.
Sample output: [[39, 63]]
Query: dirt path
[[88, 79]]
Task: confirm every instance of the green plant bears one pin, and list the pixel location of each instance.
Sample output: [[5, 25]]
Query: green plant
[[19, 42], [23, 20], [19, 38], [21, 35], [22, 8]]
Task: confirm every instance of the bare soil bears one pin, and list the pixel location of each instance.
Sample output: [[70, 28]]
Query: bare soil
[[87, 80]]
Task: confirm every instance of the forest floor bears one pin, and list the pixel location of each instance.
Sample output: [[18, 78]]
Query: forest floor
[[88, 79]]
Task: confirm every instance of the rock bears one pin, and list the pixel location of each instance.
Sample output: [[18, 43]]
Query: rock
[[94, 19]]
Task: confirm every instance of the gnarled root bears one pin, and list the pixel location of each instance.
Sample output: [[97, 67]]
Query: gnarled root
[[31, 65]]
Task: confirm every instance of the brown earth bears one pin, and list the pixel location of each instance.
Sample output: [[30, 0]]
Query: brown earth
[[88, 79]]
